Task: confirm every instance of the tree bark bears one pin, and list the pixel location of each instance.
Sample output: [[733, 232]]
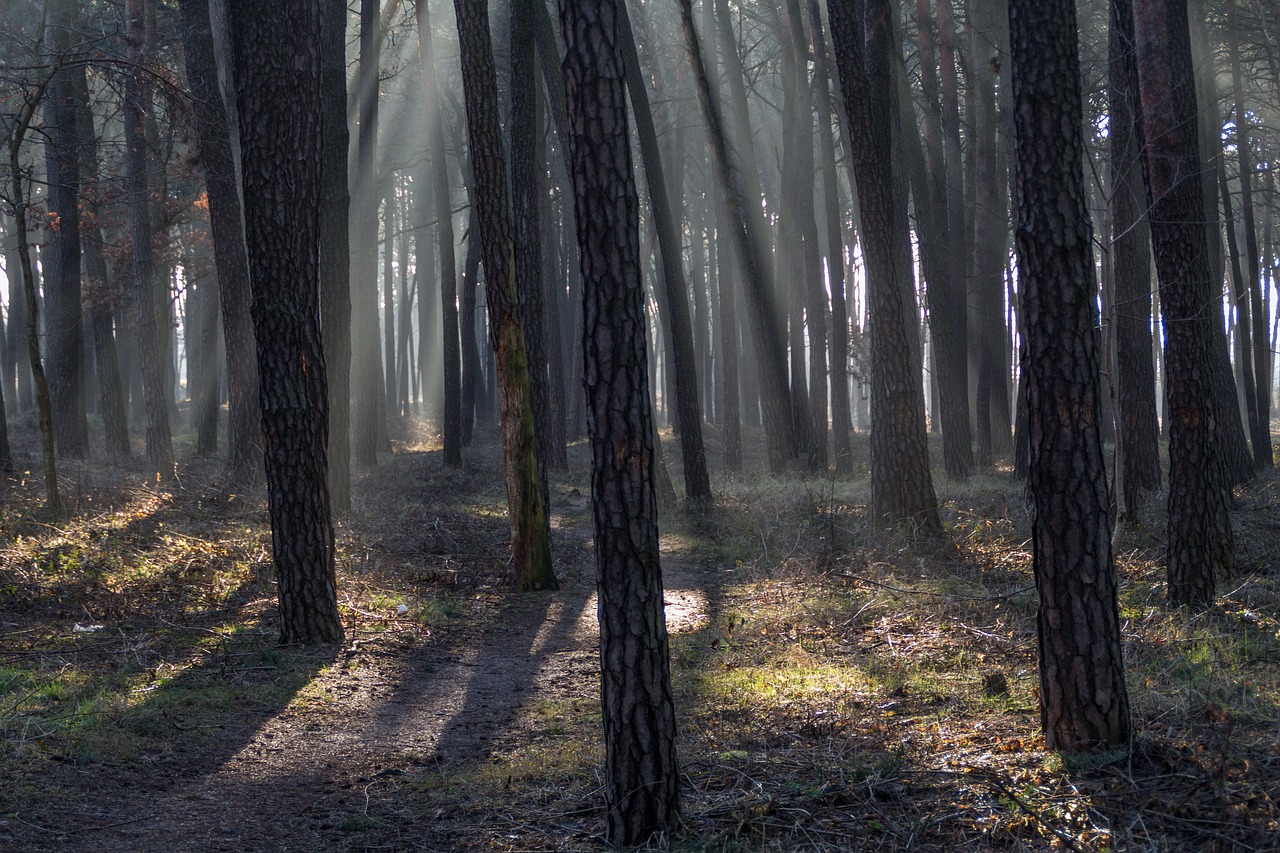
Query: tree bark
[[1200, 537], [901, 483], [1138, 430], [277, 52], [530, 529], [642, 789], [1083, 699]]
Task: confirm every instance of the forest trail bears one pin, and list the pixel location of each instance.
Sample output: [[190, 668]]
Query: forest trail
[[319, 773]]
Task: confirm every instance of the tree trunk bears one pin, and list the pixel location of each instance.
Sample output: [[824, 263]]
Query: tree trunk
[[368, 393], [530, 529], [528, 190], [1084, 703], [901, 484], [61, 260], [137, 106], [746, 231], [217, 160], [451, 349], [276, 50], [674, 292], [642, 788], [1200, 538], [101, 295], [1138, 430], [335, 246]]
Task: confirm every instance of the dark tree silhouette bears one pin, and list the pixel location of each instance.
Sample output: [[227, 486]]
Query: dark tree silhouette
[[642, 788], [901, 484], [530, 530], [1200, 538], [244, 431], [1083, 699], [276, 49]]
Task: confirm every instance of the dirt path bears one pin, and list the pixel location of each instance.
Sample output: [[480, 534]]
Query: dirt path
[[303, 779]]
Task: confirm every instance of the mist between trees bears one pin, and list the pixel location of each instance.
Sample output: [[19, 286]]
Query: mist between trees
[[1040, 235]]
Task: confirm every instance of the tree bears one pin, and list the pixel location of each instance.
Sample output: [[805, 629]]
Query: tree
[[1200, 538], [137, 109], [1083, 700], [276, 48], [214, 152], [1137, 429], [642, 790], [901, 484], [746, 231], [31, 98], [675, 303], [61, 260], [451, 350], [335, 245], [530, 528]]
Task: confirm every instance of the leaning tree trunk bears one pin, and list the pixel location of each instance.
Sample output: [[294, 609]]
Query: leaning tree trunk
[[642, 787], [276, 49], [1200, 538], [675, 301], [901, 484], [746, 230], [530, 529], [1083, 699]]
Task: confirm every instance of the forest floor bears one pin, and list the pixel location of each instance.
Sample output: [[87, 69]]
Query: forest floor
[[838, 686]]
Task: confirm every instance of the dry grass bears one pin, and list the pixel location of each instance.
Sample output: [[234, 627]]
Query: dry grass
[[843, 687]]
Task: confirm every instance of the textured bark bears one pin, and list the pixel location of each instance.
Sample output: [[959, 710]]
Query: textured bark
[[61, 259], [1200, 539], [901, 484], [217, 161], [451, 350], [1083, 699], [472, 382], [1138, 430], [16, 360], [335, 244], [642, 788], [674, 292], [527, 191], [137, 107], [276, 50], [746, 231], [530, 530]]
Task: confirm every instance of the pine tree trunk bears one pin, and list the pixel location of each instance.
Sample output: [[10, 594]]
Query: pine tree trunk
[[1083, 699], [642, 787], [1200, 538], [901, 483], [335, 247], [530, 530], [276, 50]]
